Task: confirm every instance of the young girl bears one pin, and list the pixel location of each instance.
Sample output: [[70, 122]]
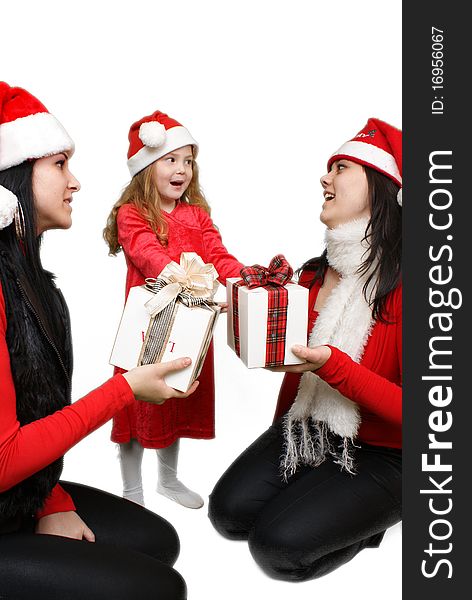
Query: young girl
[[160, 214]]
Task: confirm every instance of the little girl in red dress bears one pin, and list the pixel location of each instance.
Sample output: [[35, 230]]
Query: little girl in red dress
[[160, 214]]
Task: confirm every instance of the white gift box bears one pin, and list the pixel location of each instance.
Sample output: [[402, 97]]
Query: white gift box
[[189, 334], [252, 310]]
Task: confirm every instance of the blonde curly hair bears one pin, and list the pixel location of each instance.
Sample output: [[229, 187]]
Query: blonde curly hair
[[142, 192]]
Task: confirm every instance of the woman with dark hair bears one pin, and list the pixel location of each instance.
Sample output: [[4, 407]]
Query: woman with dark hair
[[135, 549], [324, 481]]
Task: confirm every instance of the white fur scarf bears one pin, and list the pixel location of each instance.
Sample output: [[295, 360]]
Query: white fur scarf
[[322, 421]]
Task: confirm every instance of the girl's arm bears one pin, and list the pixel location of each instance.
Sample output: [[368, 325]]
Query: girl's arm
[[368, 389], [140, 243], [362, 385], [352, 380], [225, 263], [26, 449], [57, 501]]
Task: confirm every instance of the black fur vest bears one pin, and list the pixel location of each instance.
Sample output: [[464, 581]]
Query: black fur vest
[[41, 365]]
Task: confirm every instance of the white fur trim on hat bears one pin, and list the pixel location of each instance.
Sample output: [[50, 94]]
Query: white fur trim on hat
[[8, 205], [372, 155], [176, 137], [33, 136], [152, 134]]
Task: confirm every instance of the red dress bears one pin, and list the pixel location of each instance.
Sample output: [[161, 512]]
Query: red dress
[[190, 230], [375, 383]]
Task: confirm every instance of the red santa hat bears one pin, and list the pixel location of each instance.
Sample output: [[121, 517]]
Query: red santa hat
[[153, 137], [379, 146], [27, 131]]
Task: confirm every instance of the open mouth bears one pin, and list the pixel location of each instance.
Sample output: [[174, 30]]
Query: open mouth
[[328, 196], [176, 183]]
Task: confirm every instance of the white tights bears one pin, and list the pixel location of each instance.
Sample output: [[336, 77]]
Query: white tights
[[131, 456]]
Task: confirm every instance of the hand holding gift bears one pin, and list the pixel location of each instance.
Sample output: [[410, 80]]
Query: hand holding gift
[[267, 315], [148, 382], [315, 358]]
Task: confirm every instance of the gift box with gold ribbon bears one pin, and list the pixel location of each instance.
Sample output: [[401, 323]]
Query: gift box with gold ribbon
[[169, 317], [267, 314]]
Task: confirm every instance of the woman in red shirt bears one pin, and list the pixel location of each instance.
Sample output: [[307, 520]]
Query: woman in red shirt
[[134, 548], [324, 481]]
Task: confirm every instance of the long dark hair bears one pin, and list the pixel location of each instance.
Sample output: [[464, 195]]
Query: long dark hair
[[24, 255], [384, 234]]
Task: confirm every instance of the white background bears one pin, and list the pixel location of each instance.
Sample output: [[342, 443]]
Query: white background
[[270, 90]]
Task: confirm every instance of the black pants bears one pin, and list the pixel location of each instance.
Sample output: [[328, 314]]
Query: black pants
[[131, 558], [317, 521]]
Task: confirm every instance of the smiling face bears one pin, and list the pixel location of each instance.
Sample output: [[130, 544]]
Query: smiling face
[[346, 194], [172, 174], [53, 186]]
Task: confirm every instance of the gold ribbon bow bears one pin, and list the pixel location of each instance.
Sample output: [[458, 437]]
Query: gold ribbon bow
[[192, 276]]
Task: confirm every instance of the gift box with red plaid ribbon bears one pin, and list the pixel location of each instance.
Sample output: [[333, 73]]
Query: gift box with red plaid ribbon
[[267, 314]]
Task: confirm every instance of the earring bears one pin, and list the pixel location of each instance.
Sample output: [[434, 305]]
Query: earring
[[19, 222]]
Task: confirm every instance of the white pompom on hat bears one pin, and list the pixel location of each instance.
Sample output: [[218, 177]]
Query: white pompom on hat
[[377, 145], [154, 136], [8, 205]]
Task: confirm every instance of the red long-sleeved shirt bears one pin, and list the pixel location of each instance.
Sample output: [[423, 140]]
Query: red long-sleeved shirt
[[190, 230], [24, 450], [374, 384]]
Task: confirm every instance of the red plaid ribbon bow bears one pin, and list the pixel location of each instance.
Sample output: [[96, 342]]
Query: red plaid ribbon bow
[[272, 279], [278, 273]]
